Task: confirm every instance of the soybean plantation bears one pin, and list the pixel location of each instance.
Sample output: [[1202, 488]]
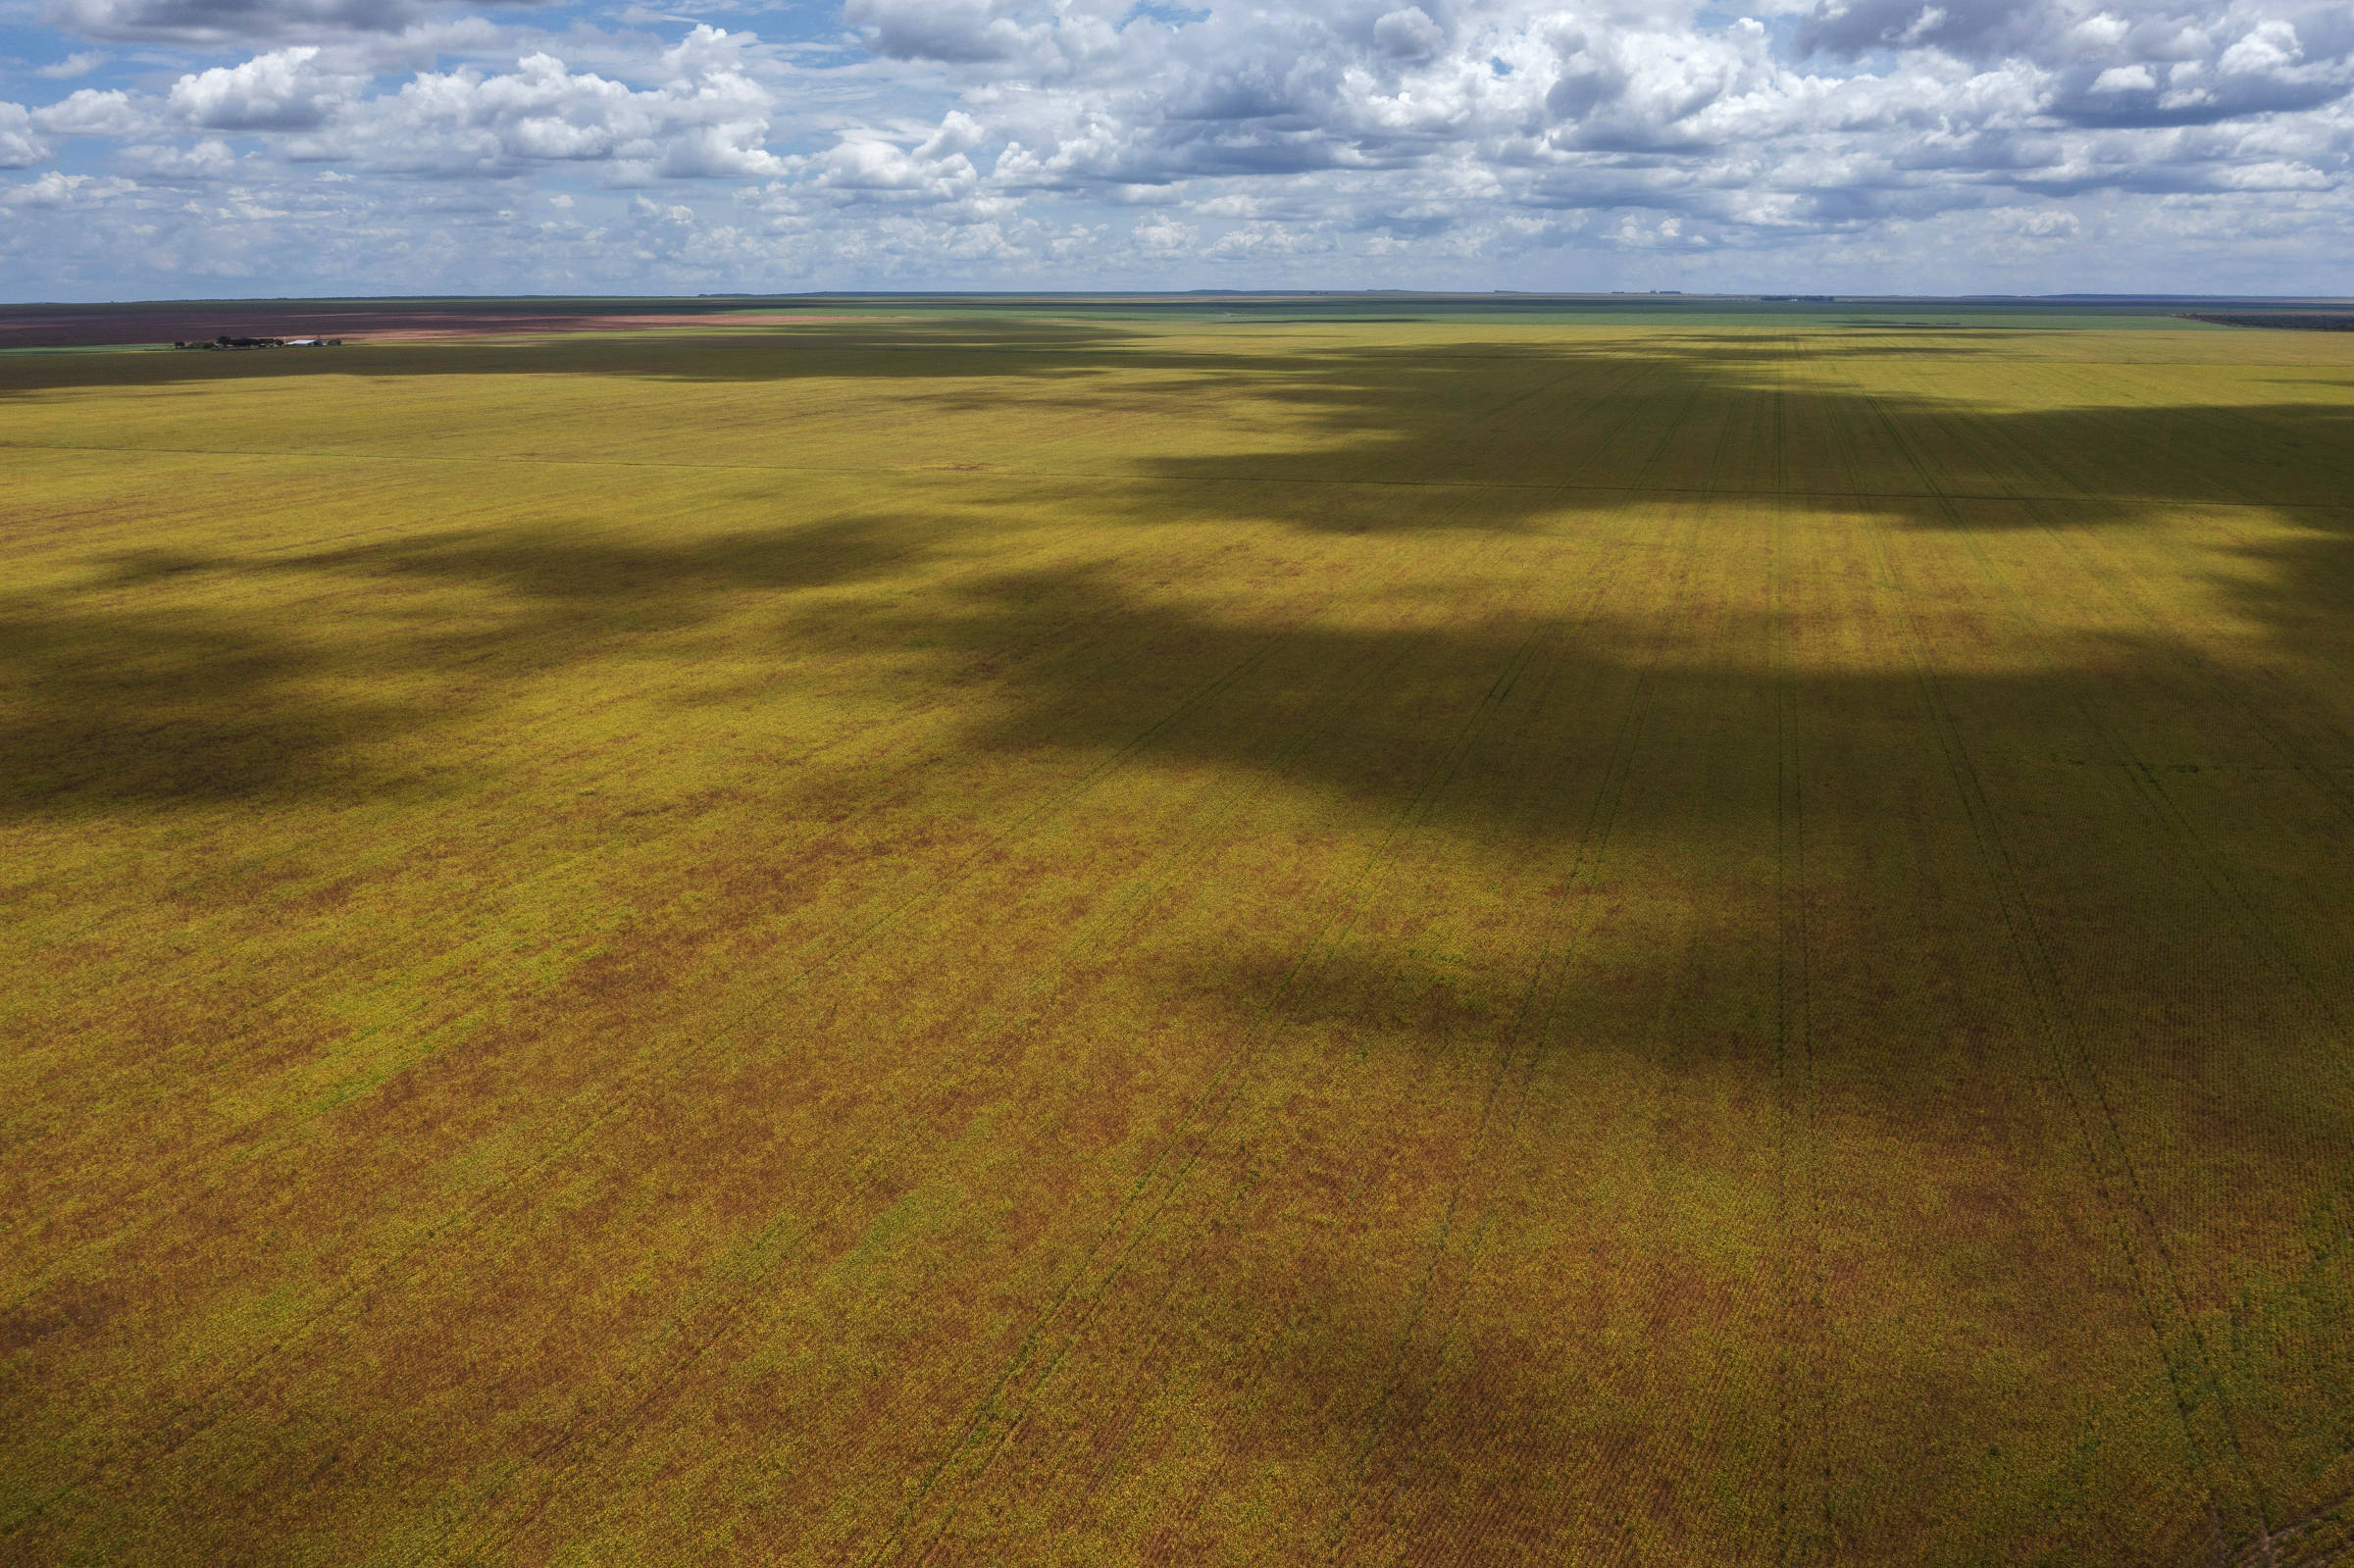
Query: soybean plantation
[[1089, 935]]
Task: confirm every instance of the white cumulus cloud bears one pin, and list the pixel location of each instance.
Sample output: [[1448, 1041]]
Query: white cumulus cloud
[[1531, 141], [282, 90]]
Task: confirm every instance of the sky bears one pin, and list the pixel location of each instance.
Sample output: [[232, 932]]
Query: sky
[[255, 148]]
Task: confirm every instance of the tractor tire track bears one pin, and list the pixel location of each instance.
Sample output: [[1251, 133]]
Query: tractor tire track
[[1567, 936], [2116, 1179], [2192, 862], [1804, 1532]]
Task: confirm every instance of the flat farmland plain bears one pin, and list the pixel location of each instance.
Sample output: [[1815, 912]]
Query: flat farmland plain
[[1085, 938]]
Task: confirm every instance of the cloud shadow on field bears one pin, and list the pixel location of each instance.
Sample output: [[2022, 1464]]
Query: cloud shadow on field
[[1585, 418], [1536, 436], [1395, 440], [552, 565], [119, 708]]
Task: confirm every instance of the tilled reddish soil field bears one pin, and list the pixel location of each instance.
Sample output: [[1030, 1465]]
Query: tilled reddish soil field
[[78, 326]]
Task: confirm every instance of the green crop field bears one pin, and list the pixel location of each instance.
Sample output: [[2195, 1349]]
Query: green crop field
[[1214, 936]]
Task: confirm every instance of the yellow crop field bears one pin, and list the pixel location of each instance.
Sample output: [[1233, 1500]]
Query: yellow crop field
[[1097, 936]]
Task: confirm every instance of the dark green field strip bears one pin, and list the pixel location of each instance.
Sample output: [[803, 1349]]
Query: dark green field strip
[[2329, 501]]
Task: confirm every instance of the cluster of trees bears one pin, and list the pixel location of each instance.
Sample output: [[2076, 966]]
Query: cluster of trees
[[227, 342]]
